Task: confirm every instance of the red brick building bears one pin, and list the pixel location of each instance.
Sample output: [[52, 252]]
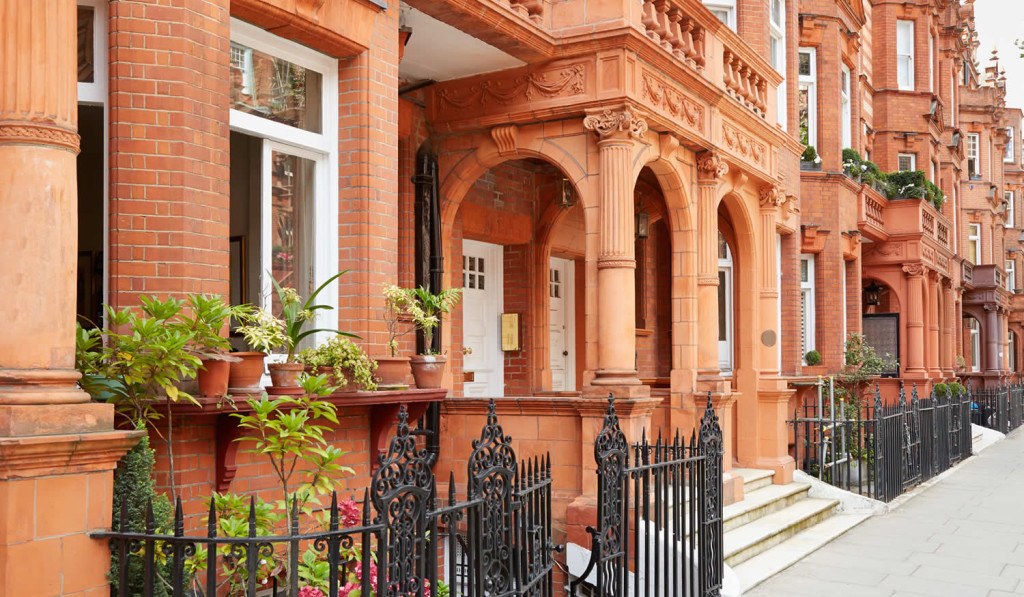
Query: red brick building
[[622, 177]]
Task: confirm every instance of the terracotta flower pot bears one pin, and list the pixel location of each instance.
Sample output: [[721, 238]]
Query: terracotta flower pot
[[392, 372], [245, 374], [213, 378], [345, 386], [285, 375], [427, 370]]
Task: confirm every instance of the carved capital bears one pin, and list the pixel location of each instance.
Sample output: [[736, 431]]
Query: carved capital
[[616, 123], [772, 196], [913, 269], [711, 166], [947, 284]]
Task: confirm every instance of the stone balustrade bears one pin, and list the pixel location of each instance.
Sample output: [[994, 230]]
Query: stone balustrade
[[531, 10], [744, 82], [668, 25]]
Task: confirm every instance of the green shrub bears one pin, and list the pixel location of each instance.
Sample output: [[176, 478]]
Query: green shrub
[[910, 184], [810, 154], [134, 487], [813, 358], [340, 354]]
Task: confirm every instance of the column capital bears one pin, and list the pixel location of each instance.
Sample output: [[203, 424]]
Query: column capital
[[617, 123], [710, 167], [913, 270], [772, 196]]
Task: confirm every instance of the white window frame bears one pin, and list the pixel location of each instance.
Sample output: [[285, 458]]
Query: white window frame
[[845, 84], [974, 243], [973, 146], [723, 6], [1011, 221], [322, 148], [905, 55], [931, 62], [807, 307], [95, 94], [1011, 274], [1009, 155], [934, 172], [727, 349], [913, 162], [975, 341], [777, 33], [811, 83]]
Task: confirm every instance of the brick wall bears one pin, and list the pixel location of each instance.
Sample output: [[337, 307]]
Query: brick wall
[[169, 195]]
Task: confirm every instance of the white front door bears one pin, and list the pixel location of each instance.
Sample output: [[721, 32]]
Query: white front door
[[560, 296], [484, 374]]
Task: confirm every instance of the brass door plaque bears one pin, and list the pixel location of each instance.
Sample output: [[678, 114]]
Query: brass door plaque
[[509, 331]]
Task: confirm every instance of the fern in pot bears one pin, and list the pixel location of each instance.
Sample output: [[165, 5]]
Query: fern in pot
[[352, 370], [426, 309]]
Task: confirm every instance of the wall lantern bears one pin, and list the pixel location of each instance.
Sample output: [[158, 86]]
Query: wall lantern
[[643, 221], [567, 198], [873, 294]]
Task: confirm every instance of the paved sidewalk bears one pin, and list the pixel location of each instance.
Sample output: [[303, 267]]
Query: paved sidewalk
[[963, 537]]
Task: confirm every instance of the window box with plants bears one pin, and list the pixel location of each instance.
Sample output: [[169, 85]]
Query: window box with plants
[[346, 364], [913, 184], [809, 160]]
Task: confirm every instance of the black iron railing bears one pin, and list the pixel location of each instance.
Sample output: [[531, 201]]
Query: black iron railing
[[999, 408], [659, 515], [659, 530], [881, 451]]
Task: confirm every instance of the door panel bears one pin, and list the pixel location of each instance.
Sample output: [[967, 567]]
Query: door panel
[[560, 286], [481, 319]]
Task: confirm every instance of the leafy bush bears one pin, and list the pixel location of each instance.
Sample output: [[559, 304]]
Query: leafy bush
[[813, 358], [810, 155], [954, 389], [341, 354]]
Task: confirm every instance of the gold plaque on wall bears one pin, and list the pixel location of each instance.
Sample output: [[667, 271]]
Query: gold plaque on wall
[[509, 331]]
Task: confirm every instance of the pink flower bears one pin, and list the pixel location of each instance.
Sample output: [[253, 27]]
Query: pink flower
[[347, 588], [312, 592], [350, 514]]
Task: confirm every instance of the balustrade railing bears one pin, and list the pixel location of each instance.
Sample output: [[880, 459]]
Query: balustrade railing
[[743, 82], [667, 24]]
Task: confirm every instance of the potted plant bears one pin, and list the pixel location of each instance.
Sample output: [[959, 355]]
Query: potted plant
[[393, 370], [427, 368], [209, 315], [339, 357], [263, 333], [813, 358], [296, 313], [809, 160]]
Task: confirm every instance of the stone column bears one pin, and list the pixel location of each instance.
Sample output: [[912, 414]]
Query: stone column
[[57, 450], [915, 320], [618, 131], [948, 321], [771, 198], [710, 169], [933, 325], [993, 338]]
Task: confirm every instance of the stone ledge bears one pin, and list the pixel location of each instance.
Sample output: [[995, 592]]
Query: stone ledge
[[43, 455]]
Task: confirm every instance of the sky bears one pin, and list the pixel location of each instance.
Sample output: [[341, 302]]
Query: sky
[[999, 22]]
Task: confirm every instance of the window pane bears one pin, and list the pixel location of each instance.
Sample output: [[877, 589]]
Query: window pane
[[86, 16], [777, 12], [722, 303], [805, 64], [291, 224], [275, 89], [803, 107]]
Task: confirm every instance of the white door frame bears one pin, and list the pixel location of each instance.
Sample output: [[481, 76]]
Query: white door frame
[[726, 348], [496, 286], [569, 315]]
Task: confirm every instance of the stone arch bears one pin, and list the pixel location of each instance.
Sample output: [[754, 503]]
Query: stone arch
[[457, 179]]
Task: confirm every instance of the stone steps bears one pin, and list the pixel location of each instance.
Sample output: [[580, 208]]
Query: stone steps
[[776, 526]]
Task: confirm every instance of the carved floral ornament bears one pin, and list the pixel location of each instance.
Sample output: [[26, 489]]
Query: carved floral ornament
[[710, 165], [561, 82], [772, 196], [616, 123], [670, 99], [913, 269]]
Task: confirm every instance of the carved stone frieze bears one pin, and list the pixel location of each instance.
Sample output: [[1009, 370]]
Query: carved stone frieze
[[711, 166], [39, 133], [620, 122], [744, 145], [885, 249], [560, 82], [666, 97]]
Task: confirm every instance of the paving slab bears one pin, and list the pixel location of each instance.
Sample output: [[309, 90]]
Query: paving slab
[[961, 537]]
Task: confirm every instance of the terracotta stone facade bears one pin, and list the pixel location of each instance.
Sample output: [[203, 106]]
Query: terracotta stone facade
[[633, 168]]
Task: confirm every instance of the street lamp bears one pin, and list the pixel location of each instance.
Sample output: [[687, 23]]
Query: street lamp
[[873, 294]]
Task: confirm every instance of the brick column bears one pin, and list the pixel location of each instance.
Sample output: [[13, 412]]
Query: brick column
[[57, 450], [948, 350], [933, 325], [618, 131], [169, 149], [915, 320]]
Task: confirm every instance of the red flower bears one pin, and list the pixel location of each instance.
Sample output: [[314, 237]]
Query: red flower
[[311, 592], [350, 514]]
